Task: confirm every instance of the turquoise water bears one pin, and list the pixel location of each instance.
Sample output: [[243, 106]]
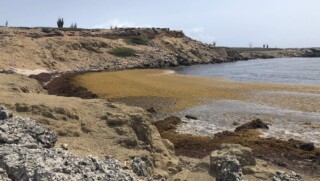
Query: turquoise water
[[279, 70]]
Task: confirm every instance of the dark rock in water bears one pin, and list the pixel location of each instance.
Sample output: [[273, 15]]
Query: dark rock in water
[[152, 110], [139, 167], [306, 146], [169, 123], [4, 113], [255, 124], [191, 117]]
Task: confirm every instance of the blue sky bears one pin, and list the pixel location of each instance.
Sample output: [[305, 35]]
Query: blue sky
[[280, 23]]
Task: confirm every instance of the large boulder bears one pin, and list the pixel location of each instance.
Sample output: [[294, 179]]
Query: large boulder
[[229, 169], [236, 151]]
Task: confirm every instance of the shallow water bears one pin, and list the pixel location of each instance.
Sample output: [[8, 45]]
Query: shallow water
[[292, 110], [228, 114], [279, 70], [286, 123]]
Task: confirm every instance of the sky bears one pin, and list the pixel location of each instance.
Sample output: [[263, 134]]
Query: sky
[[233, 23]]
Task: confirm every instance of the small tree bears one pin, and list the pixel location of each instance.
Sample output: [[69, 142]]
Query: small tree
[[7, 23], [60, 22], [74, 26]]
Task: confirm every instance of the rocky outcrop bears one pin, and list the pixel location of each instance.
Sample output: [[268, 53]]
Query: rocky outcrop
[[242, 154], [139, 167], [26, 133], [229, 170], [22, 163], [4, 113], [27, 153], [286, 176]]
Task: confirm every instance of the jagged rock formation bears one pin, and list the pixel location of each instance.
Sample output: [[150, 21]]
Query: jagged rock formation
[[27, 153]]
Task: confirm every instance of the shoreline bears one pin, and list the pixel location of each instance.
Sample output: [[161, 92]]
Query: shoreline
[[186, 148], [97, 126]]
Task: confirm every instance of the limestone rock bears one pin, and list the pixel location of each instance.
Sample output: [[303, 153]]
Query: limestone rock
[[242, 154], [4, 113], [229, 169], [64, 146], [51, 164], [25, 132], [284, 176], [139, 167], [27, 153], [4, 176]]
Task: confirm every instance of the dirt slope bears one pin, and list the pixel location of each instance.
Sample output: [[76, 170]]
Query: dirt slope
[[79, 49]]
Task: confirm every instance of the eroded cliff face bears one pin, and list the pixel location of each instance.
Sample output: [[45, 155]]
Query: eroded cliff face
[[80, 50]]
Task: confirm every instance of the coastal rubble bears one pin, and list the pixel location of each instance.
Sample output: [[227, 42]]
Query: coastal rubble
[[286, 176], [27, 153]]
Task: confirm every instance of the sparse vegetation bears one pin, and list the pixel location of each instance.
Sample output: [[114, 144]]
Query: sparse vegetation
[[122, 52], [137, 41], [60, 22]]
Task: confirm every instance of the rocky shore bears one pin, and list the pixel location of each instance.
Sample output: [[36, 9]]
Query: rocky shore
[[27, 153], [83, 50], [67, 137]]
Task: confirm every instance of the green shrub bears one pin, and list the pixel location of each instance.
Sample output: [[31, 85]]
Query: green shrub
[[137, 41], [122, 52]]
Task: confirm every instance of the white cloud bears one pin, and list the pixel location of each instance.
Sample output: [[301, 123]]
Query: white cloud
[[120, 24]]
